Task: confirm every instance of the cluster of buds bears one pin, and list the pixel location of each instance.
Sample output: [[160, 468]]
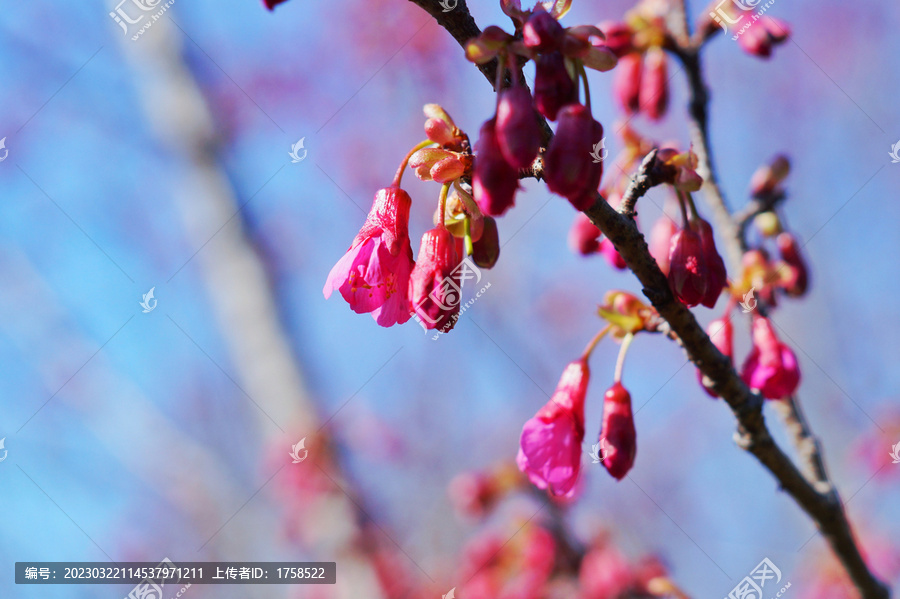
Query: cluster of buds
[[641, 83], [378, 275], [550, 448], [510, 141]]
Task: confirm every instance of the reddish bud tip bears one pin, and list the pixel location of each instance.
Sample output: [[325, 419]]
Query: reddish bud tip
[[518, 130], [542, 32], [569, 168], [494, 181], [486, 251], [553, 86]]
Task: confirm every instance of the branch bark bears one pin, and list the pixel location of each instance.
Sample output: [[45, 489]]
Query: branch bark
[[825, 508]]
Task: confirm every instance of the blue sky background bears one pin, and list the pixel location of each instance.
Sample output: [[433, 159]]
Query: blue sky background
[[91, 221]]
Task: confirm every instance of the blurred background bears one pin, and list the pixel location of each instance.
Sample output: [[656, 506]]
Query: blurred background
[[162, 162]]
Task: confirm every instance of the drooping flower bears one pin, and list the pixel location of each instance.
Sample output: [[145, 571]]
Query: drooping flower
[[569, 169], [627, 82], [518, 131], [495, 181], [697, 272], [618, 439], [721, 333], [553, 86], [373, 276], [550, 446], [433, 286], [771, 368]]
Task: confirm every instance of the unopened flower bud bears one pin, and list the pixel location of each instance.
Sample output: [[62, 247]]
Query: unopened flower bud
[[494, 181], [569, 169], [795, 276], [584, 235], [654, 89], [612, 255], [763, 36], [542, 32], [618, 38], [717, 276], [618, 438], [553, 85], [433, 285], [518, 130], [687, 267], [486, 250], [767, 178], [627, 82]]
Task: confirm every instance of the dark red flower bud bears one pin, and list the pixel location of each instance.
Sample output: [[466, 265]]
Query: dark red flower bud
[[687, 267], [627, 82], [569, 168], [433, 286], [553, 86], [494, 181], [518, 131], [618, 439], [618, 38], [486, 250], [584, 235], [654, 94], [716, 274], [542, 32], [794, 277]]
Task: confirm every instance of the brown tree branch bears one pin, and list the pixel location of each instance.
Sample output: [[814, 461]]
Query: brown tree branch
[[752, 434]]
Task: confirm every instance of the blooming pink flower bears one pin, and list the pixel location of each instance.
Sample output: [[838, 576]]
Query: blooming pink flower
[[771, 368], [518, 131], [433, 288], [618, 438], [373, 276], [550, 447], [494, 181], [553, 86], [721, 333], [569, 169]]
